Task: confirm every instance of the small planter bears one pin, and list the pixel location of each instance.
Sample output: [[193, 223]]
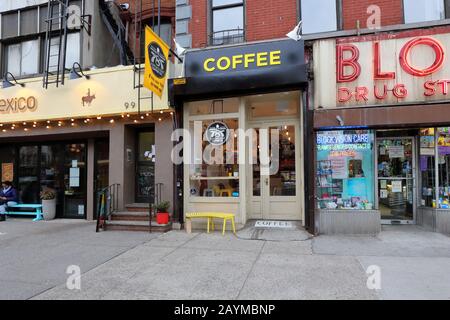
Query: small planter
[[48, 198], [49, 209], [162, 218]]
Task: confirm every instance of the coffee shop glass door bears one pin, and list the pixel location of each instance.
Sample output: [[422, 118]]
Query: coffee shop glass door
[[274, 184]]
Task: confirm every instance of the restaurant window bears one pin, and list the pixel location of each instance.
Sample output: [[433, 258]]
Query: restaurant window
[[319, 16], [214, 166], [427, 167], [444, 167], [421, 11], [227, 22], [345, 169], [23, 58]]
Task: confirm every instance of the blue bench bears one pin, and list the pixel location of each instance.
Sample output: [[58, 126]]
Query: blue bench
[[36, 207]]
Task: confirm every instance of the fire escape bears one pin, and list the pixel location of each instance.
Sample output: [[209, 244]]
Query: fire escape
[[58, 15]]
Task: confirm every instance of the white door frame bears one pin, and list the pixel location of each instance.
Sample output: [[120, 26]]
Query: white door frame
[[265, 200]]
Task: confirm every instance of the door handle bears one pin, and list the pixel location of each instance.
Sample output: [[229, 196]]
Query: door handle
[[266, 180]]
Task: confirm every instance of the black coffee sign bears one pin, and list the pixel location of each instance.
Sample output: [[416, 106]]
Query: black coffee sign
[[158, 61], [217, 133]]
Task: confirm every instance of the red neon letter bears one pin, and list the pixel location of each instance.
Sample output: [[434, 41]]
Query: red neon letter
[[351, 62], [400, 91], [377, 95], [444, 86], [344, 95], [433, 44], [362, 93], [378, 74], [429, 88]]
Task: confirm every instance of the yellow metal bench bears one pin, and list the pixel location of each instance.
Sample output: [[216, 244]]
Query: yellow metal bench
[[214, 215]]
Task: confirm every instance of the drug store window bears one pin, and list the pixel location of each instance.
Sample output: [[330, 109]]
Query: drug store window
[[345, 170], [435, 167], [214, 167], [443, 138]]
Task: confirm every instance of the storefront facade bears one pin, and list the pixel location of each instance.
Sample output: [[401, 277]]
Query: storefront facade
[[381, 121], [85, 136], [240, 105]]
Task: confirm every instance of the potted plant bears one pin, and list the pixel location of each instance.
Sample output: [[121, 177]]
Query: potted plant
[[162, 214], [48, 198]]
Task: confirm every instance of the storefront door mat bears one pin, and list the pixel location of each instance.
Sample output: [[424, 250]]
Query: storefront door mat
[[274, 224]]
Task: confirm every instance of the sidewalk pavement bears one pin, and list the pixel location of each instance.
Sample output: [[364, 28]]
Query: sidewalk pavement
[[257, 264]]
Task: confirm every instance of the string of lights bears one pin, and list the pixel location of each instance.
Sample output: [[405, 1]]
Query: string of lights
[[76, 122]]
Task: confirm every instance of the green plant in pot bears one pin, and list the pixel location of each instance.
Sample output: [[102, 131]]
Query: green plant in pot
[[48, 198], [162, 212]]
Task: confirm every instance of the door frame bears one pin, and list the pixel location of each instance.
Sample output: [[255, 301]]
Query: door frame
[[148, 128], [265, 198], [414, 181]]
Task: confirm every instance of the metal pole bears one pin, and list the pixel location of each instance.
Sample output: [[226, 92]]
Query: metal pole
[[159, 18]]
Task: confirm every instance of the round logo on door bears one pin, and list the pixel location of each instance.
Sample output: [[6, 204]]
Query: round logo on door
[[217, 133]]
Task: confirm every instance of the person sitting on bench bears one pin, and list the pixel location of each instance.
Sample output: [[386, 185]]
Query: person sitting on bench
[[8, 197]]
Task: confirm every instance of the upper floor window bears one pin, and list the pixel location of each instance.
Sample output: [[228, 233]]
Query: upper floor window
[[420, 10], [23, 58], [319, 16], [227, 22]]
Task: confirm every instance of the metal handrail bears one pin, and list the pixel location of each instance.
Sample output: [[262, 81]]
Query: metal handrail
[[107, 204], [152, 204], [232, 36]]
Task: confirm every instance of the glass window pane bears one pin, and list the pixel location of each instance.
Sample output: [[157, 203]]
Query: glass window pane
[[419, 10], [228, 19], [214, 171], [225, 2], [282, 181], [28, 186], [427, 167], [30, 57], [14, 59], [318, 16], [345, 169], [444, 167], [274, 105], [214, 106], [28, 21], [10, 25], [73, 49], [53, 61]]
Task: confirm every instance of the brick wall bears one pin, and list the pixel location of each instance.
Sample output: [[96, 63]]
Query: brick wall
[[267, 19], [353, 10], [198, 25]]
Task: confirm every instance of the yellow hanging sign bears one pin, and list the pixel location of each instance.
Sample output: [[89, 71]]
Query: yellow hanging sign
[[156, 62]]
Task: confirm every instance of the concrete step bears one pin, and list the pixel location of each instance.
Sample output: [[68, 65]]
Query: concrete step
[[139, 207], [126, 225], [130, 216]]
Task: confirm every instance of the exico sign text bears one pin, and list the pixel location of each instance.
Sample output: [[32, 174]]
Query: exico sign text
[[387, 71], [18, 104]]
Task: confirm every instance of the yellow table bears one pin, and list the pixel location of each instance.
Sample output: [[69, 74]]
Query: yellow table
[[214, 215]]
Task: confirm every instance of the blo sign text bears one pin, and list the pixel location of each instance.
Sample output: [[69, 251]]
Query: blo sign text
[[380, 70]]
